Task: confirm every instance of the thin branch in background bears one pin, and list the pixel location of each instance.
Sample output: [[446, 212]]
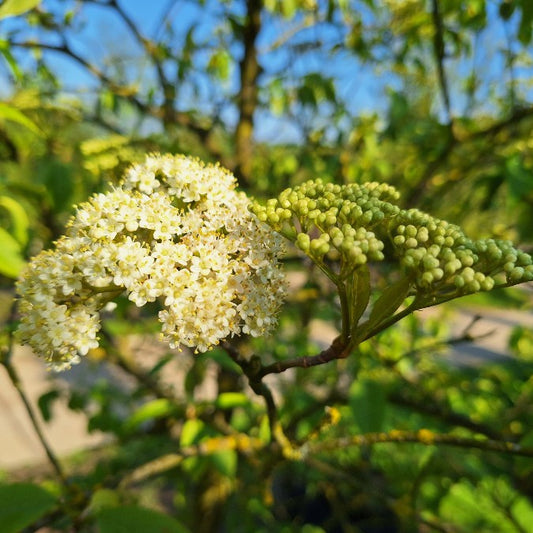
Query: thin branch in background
[[165, 14], [253, 370], [6, 362], [440, 54], [169, 90], [424, 437], [510, 58], [428, 406], [248, 92]]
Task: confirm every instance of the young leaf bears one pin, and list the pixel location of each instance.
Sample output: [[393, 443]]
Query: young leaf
[[149, 411], [389, 301], [230, 400], [21, 504], [8, 112], [360, 293], [11, 61], [20, 222], [12, 8], [11, 260], [191, 431]]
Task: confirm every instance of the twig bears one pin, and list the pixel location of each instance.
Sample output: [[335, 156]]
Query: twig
[[337, 350], [425, 437], [5, 360], [427, 406], [240, 442]]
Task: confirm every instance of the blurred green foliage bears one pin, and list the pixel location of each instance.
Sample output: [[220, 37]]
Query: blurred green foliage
[[452, 132]]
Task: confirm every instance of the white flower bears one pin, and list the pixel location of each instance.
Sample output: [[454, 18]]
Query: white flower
[[176, 230]]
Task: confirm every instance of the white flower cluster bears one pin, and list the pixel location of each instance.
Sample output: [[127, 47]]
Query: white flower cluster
[[175, 230]]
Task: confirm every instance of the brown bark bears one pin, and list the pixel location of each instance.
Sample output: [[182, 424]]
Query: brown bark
[[247, 98]]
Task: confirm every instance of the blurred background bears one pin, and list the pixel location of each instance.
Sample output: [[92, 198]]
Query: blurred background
[[434, 97]]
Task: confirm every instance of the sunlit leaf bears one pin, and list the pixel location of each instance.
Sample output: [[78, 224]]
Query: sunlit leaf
[[159, 408], [8, 112], [219, 64], [11, 260], [5, 50], [191, 431], [20, 221], [12, 8], [230, 400]]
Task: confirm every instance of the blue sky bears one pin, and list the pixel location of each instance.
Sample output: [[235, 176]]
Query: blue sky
[[362, 87]]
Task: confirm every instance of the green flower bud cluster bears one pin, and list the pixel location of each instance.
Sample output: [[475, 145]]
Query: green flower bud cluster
[[334, 222], [440, 258], [353, 224]]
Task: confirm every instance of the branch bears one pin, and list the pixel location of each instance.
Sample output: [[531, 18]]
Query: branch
[[425, 437], [169, 91], [247, 97], [428, 407], [417, 192], [180, 118], [5, 360], [439, 52], [240, 442], [337, 350]]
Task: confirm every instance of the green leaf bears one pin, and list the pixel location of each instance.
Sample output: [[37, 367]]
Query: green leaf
[[11, 260], [224, 360], [21, 504], [20, 221], [219, 64], [288, 8], [230, 400], [264, 430], [519, 180], [45, 402], [12, 8], [506, 9], [368, 401], [360, 292], [191, 431], [159, 408], [8, 112], [58, 180], [104, 499], [225, 462], [5, 50], [526, 22], [133, 519], [389, 301]]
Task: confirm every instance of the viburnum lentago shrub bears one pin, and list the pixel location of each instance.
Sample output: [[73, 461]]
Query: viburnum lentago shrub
[[175, 230]]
